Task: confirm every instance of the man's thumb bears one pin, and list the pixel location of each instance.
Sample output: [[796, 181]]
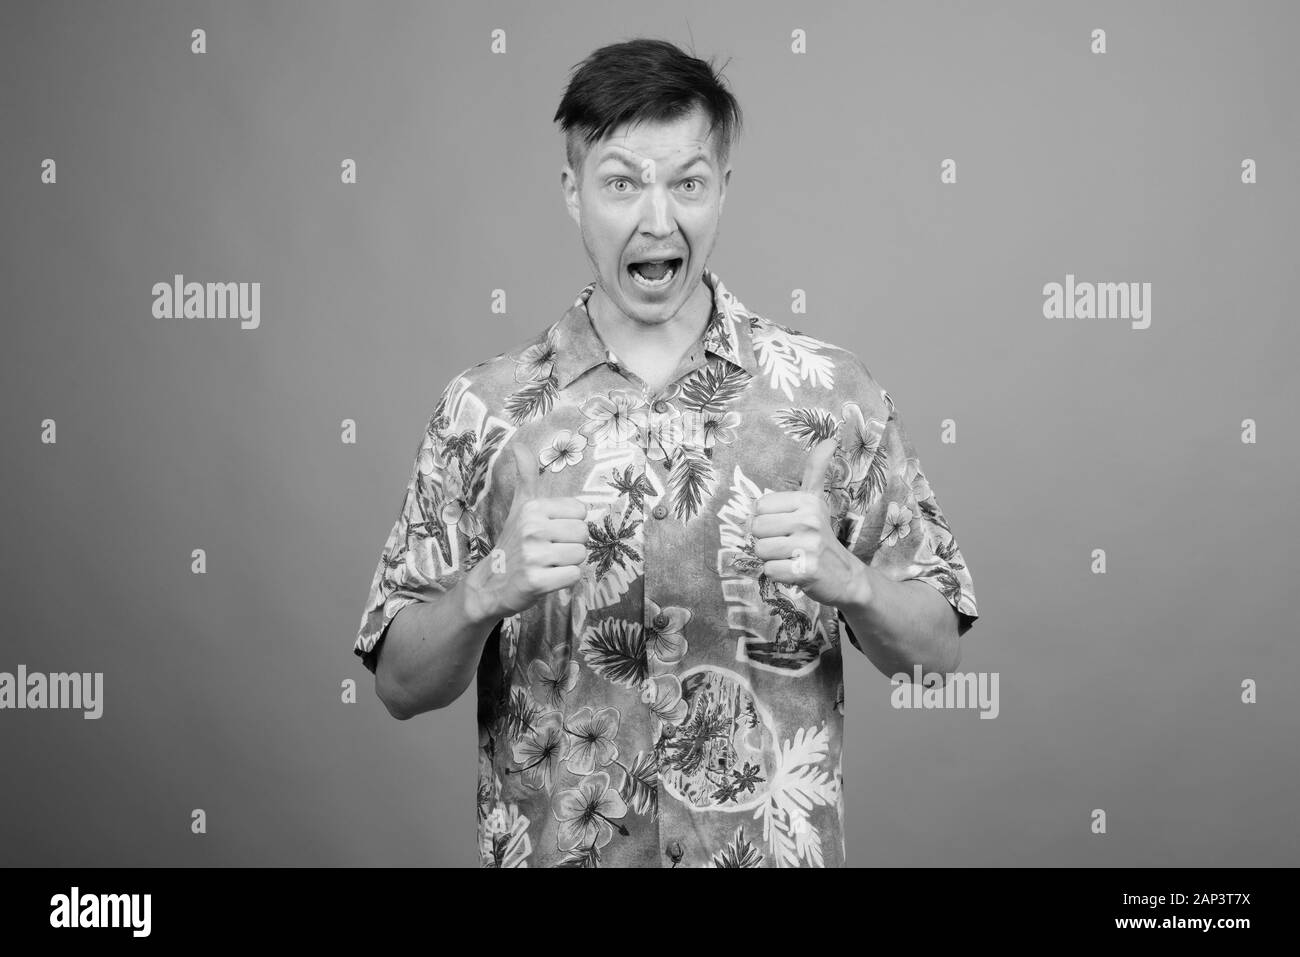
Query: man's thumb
[[526, 471], [819, 461]]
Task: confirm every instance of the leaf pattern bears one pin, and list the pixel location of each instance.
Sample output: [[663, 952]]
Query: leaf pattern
[[738, 853], [715, 387], [690, 483], [677, 705], [640, 788], [581, 857], [480, 460], [615, 650], [871, 486], [532, 401], [808, 426], [790, 358], [520, 716], [798, 786]]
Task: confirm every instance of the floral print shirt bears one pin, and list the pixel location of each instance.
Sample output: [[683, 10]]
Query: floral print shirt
[[675, 708]]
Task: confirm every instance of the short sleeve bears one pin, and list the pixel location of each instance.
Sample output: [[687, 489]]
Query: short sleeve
[[436, 535], [893, 520], [412, 564]]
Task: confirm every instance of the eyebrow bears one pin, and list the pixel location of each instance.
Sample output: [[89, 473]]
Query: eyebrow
[[622, 160]]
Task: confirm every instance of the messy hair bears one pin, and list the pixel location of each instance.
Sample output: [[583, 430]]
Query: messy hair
[[642, 80]]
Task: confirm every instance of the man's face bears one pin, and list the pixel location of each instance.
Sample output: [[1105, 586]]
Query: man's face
[[649, 192]]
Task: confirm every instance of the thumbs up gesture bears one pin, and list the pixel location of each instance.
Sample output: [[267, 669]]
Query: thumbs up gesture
[[541, 548], [793, 536]]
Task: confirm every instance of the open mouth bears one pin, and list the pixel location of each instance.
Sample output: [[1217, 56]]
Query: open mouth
[[654, 274]]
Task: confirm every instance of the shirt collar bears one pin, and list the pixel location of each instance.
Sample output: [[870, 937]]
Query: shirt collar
[[577, 346]]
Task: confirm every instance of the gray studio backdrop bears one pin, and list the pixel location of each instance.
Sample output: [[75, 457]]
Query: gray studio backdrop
[[222, 691]]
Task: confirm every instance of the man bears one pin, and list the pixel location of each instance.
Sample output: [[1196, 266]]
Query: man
[[644, 529]]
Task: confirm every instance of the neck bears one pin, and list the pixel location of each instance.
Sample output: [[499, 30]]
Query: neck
[[654, 343]]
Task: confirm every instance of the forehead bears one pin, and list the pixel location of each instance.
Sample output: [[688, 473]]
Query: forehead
[[676, 142]]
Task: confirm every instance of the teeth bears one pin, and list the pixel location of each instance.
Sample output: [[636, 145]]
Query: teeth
[[652, 284]]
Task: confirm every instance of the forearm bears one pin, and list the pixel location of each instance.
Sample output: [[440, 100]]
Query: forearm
[[902, 624], [431, 652]]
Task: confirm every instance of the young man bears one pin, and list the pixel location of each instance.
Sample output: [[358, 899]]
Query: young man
[[645, 529]]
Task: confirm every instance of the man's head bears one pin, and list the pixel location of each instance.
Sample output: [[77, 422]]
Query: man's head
[[648, 136]]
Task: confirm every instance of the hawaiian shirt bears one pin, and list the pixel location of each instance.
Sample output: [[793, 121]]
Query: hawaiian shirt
[[675, 708]]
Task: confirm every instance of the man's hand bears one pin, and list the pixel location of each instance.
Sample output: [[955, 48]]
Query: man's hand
[[542, 546], [792, 532]]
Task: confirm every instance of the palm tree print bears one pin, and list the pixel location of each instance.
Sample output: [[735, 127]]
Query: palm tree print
[[674, 706], [611, 543]]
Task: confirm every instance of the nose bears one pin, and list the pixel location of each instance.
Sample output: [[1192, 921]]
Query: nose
[[657, 215]]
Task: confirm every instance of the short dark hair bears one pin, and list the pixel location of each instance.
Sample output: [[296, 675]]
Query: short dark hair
[[639, 80]]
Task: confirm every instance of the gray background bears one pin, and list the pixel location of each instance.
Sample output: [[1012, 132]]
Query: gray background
[[222, 691]]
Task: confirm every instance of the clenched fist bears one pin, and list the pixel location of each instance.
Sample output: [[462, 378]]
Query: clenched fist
[[541, 548], [793, 536]]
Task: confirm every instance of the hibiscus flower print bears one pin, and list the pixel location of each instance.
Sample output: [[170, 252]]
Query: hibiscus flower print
[[536, 362], [588, 814], [550, 685], [664, 637], [591, 739], [566, 449], [663, 693], [540, 752], [915, 478], [898, 523], [612, 419], [720, 427], [660, 434], [858, 439]]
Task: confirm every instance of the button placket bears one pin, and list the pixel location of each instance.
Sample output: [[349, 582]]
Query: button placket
[[651, 586], [664, 425]]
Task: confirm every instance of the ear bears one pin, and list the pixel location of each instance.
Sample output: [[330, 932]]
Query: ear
[[722, 200], [569, 187]]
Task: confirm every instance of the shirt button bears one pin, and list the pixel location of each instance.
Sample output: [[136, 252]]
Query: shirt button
[[660, 511], [661, 406]]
